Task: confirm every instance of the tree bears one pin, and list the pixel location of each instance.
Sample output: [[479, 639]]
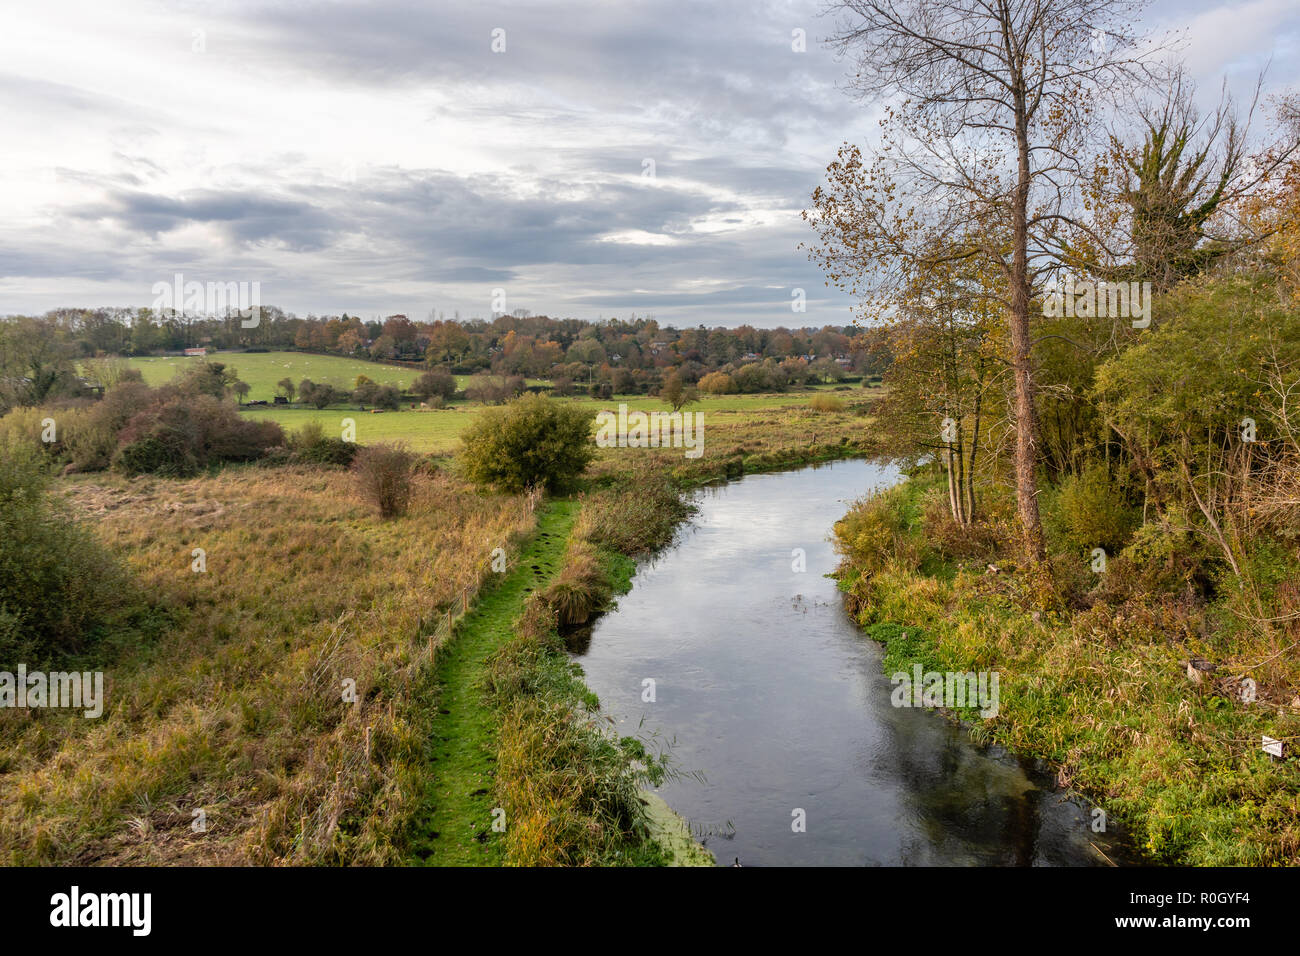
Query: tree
[[286, 388], [946, 381], [318, 395], [1169, 205], [988, 142], [241, 390], [35, 362], [437, 382], [717, 383], [530, 442], [676, 392]]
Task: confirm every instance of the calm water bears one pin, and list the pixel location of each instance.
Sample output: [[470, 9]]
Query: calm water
[[765, 688]]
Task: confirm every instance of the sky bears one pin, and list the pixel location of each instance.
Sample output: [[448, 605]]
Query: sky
[[577, 159]]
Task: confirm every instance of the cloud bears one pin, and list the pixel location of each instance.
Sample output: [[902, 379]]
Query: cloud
[[381, 157]]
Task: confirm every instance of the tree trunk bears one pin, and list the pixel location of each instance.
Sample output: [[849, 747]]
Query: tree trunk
[[1026, 459]]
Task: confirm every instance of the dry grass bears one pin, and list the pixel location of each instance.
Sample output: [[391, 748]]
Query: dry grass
[[239, 710]]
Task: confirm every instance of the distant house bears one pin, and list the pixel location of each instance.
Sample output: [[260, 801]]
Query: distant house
[[200, 352], [749, 357]]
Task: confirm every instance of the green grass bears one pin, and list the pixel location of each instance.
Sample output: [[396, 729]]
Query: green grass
[[438, 430], [1101, 692], [423, 431], [261, 370], [454, 827]]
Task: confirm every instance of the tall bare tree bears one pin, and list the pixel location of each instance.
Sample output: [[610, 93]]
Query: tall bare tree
[[989, 105]]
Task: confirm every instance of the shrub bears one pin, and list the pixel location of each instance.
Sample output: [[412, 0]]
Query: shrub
[[531, 441], [436, 383], [182, 435], [384, 477], [311, 445], [165, 453], [365, 390], [717, 383], [1089, 511], [491, 390], [754, 377], [825, 403], [60, 591], [873, 530], [207, 378]]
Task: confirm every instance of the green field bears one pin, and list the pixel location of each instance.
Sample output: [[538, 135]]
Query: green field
[[437, 430], [261, 370]]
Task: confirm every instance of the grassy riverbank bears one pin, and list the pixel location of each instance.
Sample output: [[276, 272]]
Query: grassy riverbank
[[226, 737], [1098, 684]]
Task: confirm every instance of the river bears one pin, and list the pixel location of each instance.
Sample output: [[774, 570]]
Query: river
[[775, 712]]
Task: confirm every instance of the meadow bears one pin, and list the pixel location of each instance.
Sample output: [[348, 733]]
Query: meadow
[[436, 431], [262, 370]]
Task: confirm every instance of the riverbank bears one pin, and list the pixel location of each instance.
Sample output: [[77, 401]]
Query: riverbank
[[1102, 692]]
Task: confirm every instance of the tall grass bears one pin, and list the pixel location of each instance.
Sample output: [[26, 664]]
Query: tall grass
[[239, 708]]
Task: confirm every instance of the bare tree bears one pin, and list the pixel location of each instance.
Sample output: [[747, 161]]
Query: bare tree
[[985, 136]]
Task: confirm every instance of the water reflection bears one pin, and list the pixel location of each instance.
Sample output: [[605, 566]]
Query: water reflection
[[770, 691]]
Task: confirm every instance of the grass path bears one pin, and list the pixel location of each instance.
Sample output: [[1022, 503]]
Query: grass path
[[454, 827]]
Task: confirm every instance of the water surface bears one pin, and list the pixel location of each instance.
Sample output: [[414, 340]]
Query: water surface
[[764, 686]]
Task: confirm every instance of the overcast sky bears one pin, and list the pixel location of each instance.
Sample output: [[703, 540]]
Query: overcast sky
[[381, 157]]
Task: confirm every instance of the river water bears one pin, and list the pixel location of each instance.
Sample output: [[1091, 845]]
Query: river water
[[771, 702]]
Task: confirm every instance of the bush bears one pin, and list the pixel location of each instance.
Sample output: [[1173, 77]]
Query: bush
[[386, 396], [435, 383], [311, 445], [384, 477], [531, 441], [1089, 511], [183, 435], [717, 383], [491, 390], [872, 533], [767, 377], [60, 591]]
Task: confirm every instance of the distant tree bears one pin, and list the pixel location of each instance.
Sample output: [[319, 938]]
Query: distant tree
[[208, 378], [717, 383], [286, 388], [241, 390], [387, 396], [676, 392], [437, 382], [317, 395]]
